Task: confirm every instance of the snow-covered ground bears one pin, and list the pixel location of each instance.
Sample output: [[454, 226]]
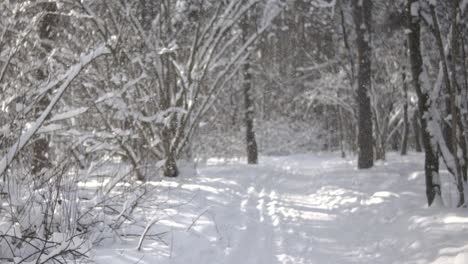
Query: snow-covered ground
[[307, 208]]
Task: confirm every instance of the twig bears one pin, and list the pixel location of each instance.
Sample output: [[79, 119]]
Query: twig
[[142, 238], [196, 219]]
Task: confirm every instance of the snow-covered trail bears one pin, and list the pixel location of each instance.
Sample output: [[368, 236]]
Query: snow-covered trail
[[301, 209], [307, 209]]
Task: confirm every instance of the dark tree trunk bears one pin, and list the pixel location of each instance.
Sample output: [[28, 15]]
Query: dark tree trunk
[[41, 149], [170, 130], [417, 131], [362, 20], [170, 166], [340, 128], [431, 163], [404, 141], [169, 89], [252, 151], [464, 95], [453, 100]]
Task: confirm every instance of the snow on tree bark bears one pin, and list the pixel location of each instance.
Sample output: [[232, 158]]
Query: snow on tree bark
[[251, 143], [453, 101], [431, 163]]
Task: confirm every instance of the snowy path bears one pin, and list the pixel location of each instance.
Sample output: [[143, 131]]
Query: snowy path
[[301, 209]]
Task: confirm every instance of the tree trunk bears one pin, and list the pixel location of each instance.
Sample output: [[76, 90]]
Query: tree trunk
[[453, 100], [417, 131], [446, 129], [340, 128], [170, 166], [404, 141], [431, 162], [464, 116], [252, 151], [362, 20], [170, 89]]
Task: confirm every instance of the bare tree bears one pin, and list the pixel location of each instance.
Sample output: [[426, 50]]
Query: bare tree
[[252, 152], [362, 21]]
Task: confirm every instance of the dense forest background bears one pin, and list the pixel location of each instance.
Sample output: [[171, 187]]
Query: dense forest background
[[151, 86]]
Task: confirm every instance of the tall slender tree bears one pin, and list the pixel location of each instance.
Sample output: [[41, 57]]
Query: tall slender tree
[[252, 151], [362, 20], [454, 111], [431, 162], [404, 141]]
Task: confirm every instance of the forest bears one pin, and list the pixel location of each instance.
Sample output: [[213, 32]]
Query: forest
[[233, 131]]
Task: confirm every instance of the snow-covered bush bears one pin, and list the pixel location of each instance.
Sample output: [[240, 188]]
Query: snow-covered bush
[[61, 216], [38, 222]]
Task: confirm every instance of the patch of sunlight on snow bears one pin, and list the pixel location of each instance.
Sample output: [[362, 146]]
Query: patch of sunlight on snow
[[348, 200], [334, 164], [273, 195], [164, 184], [218, 180], [418, 221], [202, 224], [452, 251], [196, 187], [220, 161], [461, 258], [373, 200], [305, 215], [215, 161], [455, 220], [271, 208], [276, 221], [283, 259], [261, 204], [243, 205], [378, 198], [327, 197], [414, 176], [308, 215], [386, 194], [171, 223], [93, 183]]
